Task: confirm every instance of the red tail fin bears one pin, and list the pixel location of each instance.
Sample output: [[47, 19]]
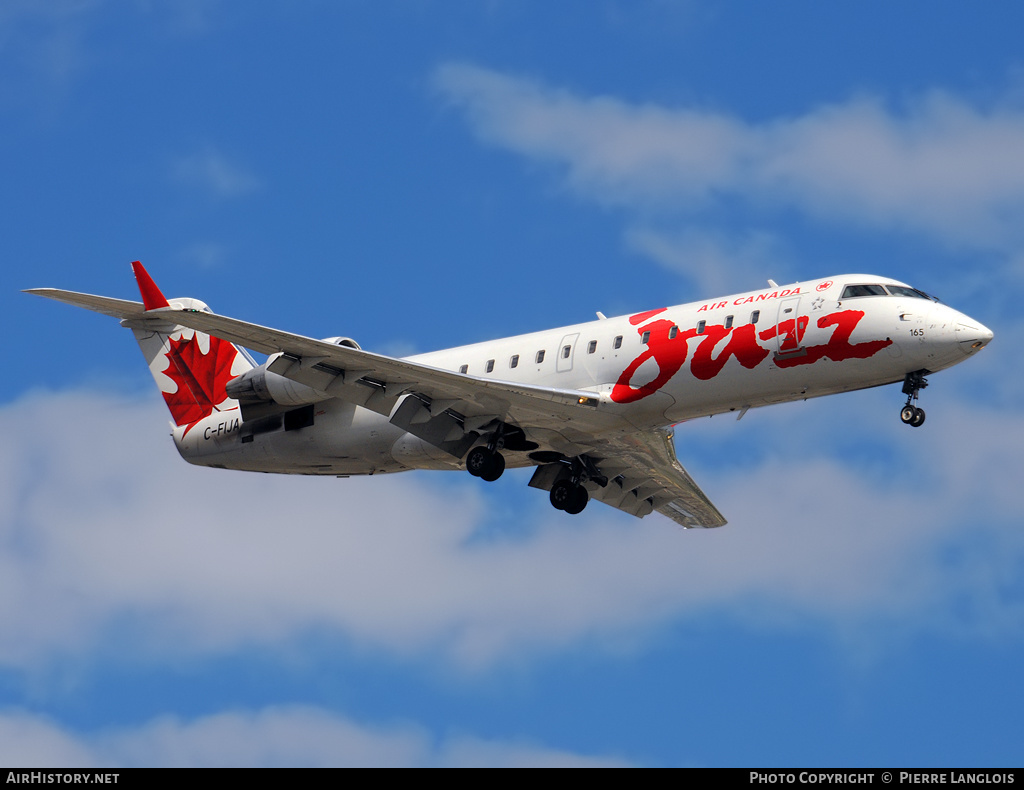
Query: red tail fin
[[152, 298], [191, 369]]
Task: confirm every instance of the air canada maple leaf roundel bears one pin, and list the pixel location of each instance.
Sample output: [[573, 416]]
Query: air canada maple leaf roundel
[[200, 378]]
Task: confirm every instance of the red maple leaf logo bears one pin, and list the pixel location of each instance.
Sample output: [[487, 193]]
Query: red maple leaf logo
[[201, 378]]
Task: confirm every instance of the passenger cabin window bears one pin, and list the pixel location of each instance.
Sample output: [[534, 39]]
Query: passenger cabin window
[[540, 357], [728, 322], [853, 291], [490, 365], [754, 316], [618, 342], [464, 369], [645, 337], [566, 350], [592, 347], [514, 362], [700, 327], [673, 332]]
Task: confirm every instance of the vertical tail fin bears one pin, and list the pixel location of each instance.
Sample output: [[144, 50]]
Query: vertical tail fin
[[190, 368]]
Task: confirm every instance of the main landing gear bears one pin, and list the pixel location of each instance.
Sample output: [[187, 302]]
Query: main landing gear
[[567, 492], [911, 413], [569, 496], [563, 477], [485, 463]]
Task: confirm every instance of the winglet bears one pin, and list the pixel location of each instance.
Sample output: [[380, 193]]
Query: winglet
[[152, 298]]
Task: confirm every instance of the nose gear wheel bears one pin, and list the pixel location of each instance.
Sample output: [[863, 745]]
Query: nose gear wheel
[[911, 413]]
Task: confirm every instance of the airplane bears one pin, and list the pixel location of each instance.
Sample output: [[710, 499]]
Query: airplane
[[591, 406]]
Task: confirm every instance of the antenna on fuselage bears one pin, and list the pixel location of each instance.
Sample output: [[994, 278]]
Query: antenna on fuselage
[[772, 283]]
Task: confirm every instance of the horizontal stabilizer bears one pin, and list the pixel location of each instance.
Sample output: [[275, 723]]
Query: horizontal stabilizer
[[190, 368], [115, 308]]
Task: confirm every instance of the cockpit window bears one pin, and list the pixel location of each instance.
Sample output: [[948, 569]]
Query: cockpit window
[[852, 291], [902, 290]]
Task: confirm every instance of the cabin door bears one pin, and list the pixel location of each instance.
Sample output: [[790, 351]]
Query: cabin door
[[790, 328], [566, 351]]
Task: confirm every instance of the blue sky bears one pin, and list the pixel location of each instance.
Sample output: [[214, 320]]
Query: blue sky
[[423, 174]]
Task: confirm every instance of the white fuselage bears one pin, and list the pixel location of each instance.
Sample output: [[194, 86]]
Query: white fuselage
[[648, 369]]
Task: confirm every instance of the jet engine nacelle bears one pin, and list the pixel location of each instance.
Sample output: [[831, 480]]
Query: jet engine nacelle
[[260, 385], [347, 342]]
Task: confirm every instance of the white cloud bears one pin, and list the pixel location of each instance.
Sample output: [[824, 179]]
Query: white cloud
[[104, 528], [718, 262], [190, 18], [29, 740], [939, 166], [274, 736], [208, 254], [270, 737], [209, 169], [468, 751], [47, 37]]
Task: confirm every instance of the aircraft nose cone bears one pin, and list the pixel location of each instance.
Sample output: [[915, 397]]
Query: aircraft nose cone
[[973, 336]]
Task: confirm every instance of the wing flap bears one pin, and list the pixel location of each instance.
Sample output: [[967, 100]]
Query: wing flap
[[648, 477], [442, 430]]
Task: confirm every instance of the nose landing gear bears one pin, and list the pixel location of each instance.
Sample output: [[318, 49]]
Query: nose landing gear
[[911, 413]]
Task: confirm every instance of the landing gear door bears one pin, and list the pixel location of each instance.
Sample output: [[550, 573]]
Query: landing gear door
[[790, 329], [566, 351]]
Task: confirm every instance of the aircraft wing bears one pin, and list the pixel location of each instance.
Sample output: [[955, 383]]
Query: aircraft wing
[[450, 409], [644, 475]]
